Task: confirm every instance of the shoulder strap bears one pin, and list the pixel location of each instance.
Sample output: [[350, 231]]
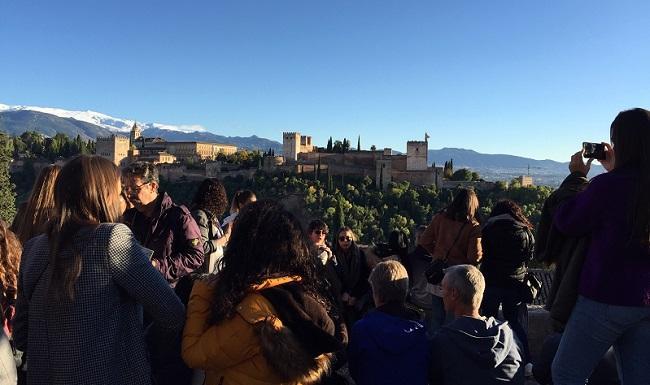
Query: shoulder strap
[[455, 240]]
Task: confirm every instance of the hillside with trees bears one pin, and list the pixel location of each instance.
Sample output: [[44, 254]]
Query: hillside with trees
[[355, 202]]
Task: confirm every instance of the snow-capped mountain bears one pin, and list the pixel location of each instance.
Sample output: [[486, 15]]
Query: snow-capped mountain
[[103, 120], [90, 125]]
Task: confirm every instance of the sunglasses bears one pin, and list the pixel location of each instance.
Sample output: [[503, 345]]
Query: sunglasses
[[320, 232], [344, 238]]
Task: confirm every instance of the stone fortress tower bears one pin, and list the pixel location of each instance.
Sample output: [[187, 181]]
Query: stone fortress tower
[[417, 154], [114, 147], [293, 144]]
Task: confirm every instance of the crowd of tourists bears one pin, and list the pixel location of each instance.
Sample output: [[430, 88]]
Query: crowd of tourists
[[105, 280]]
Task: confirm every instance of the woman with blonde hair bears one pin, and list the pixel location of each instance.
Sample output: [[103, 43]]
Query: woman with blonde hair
[[453, 236], [83, 286], [37, 210]]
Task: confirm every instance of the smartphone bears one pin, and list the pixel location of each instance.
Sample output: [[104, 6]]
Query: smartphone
[[593, 150]]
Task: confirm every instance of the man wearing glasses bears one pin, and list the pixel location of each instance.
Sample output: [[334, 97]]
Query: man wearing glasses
[[160, 225]]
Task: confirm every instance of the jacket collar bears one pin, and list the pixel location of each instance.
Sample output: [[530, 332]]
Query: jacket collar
[[273, 282]]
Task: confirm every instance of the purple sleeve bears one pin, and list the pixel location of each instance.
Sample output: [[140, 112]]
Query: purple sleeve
[[579, 215], [187, 255]]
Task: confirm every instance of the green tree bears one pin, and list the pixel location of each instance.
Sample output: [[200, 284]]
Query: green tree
[[7, 188], [359, 143], [462, 174], [329, 145]]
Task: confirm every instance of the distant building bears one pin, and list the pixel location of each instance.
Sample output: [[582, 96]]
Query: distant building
[[122, 150], [115, 148], [293, 144], [525, 180], [301, 156]]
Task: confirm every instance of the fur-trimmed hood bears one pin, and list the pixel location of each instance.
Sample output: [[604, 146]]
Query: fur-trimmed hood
[[299, 347]]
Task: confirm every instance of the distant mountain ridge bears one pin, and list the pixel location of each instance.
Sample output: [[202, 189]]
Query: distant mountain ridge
[[494, 167], [470, 158], [89, 125]]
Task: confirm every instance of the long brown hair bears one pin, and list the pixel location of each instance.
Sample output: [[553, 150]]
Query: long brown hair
[[630, 134], [40, 205], [507, 206], [10, 250], [86, 194], [464, 206]]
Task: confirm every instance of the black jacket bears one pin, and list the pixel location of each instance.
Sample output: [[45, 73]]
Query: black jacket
[[507, 247], [566, 253]]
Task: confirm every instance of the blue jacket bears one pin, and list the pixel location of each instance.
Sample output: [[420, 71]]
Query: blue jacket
[[388, 349]]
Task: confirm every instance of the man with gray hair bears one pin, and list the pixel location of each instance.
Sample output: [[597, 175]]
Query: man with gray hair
[[389, 346], [472, 349]]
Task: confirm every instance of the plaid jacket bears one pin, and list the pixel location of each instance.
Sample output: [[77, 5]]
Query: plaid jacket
[[98, 337]]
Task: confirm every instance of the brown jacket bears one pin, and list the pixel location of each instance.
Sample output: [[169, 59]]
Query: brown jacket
[[438, 239]]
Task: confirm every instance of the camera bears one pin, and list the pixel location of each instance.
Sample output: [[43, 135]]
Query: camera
[[593, 150]]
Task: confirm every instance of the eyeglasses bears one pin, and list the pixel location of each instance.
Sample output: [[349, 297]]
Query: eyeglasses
[[136, 188], [320, 232], [344, 238]]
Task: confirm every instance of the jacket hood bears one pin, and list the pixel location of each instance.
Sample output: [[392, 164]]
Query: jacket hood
[[503, 218], [395, 335], [487, 342]]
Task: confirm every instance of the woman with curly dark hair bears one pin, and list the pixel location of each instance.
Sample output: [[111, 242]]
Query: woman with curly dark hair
[[10, 250], [209, 204], [263, 318], [508, 245]]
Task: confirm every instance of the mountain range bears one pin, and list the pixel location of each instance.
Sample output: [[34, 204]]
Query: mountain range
[[493, 167], [90, 125]]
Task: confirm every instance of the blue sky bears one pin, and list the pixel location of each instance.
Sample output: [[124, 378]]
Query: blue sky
[[527, 78]]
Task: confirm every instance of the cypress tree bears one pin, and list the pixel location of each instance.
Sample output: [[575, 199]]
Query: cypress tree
[[329, 145], [359, 143]]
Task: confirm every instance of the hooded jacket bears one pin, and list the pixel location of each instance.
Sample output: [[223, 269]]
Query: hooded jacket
[[388, 348], [507, 247], [276, 336], [472, 351]]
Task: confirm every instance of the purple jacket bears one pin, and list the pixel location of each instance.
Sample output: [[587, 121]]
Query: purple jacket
[[616, 270], [172, 234]]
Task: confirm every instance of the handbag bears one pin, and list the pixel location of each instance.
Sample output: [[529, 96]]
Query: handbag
[[436, 270], [531, 287]]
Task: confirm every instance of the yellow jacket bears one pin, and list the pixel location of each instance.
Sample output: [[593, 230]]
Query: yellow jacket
[[231, 352]]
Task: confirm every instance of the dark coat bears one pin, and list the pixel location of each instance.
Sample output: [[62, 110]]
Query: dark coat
[[472, 351], [99, 337], [172, 234], [507, 247], [566, 253]]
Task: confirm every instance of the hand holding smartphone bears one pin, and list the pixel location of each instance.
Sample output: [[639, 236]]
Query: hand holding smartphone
[[593, 150]]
